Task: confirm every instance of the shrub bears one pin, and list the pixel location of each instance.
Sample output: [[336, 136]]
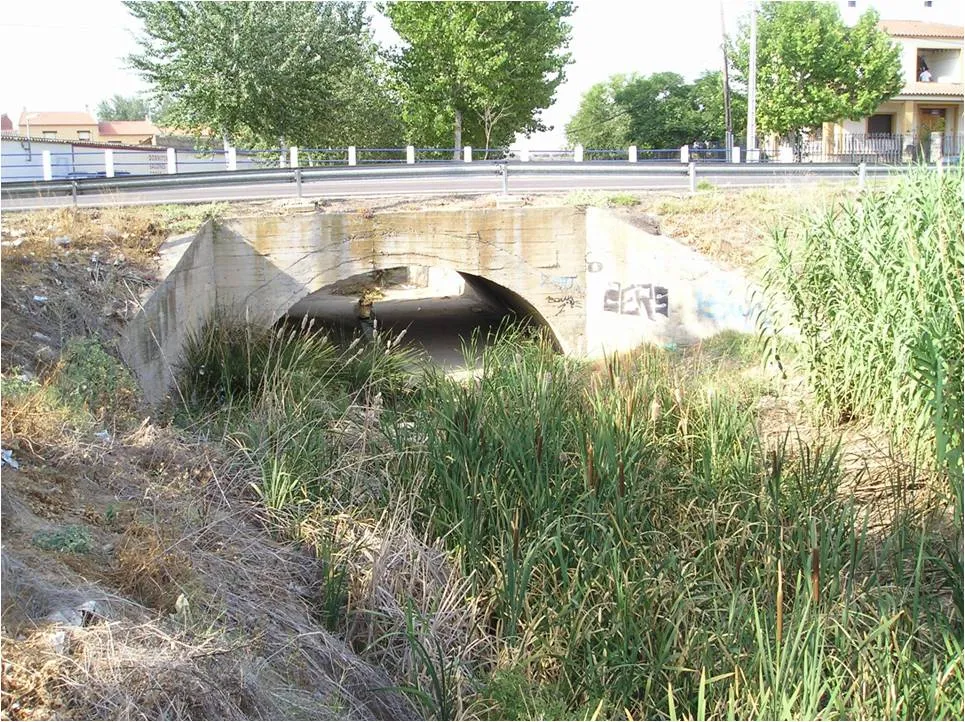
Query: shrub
[[89, 378]]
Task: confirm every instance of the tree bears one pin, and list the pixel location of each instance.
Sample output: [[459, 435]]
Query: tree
[[122, 107], [812, 68], [654, 111], [481, 71], [661, 115], [265, 72], [600, 122], [707, 101]]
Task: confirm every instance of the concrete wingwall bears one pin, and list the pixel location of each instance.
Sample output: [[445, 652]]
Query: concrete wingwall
[[153, 341], [646, 288], [598, 282]]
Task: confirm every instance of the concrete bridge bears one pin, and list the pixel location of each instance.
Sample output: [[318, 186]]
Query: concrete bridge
[[598, 282]]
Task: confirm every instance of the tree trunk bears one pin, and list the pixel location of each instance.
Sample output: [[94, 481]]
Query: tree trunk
[[457, 136]]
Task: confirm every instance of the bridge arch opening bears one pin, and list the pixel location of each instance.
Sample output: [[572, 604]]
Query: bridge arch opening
[[438, 308]]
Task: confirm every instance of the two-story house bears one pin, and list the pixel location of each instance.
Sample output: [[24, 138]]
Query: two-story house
[[931, 102]]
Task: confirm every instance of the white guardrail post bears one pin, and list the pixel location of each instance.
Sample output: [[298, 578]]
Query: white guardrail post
[[231, 159], [172, 161], [632, 154], [862, 173], [467, 154], [685, 154], [524, 155], [48, 169], [353, 158], [578, 153], [410, 155], [293, 156], [692, 175], [735, 154], [109, 162]]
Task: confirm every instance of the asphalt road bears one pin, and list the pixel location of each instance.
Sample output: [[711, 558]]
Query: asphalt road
[[415, 186]]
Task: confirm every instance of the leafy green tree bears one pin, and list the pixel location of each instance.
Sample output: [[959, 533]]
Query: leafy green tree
[[812, 68], [600, 122], [707, 103], [654, 111], [121, 107], [478, 71], [266, 72]]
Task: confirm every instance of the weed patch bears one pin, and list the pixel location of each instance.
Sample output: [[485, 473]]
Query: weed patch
[[71, 538]]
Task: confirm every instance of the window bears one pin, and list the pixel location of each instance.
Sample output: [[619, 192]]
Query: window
[[880, 124], [113, 142], [83, 135], [50, 134]]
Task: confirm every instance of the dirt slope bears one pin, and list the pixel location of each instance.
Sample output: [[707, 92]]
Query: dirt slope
[[138, 579]]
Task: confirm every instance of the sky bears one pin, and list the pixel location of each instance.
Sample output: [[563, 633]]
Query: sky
[[69, 54]]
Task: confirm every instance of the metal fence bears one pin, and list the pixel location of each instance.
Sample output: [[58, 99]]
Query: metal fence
[[77, 162], [920, 146], [408, 178]]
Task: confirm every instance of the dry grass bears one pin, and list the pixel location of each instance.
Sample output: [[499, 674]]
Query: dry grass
[[732, 226], [199, 612], [215, 619]]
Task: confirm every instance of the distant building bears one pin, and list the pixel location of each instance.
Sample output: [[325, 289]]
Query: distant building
[[58, 125], [930, 102], [6, 125], [128, 132], [81, 126]]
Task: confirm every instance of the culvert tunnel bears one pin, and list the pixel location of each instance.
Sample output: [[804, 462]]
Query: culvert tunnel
[[435, 310]]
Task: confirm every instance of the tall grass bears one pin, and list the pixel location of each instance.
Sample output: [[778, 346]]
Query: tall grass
[[280, 396], [632, 546], [875, 288], [640, 552]]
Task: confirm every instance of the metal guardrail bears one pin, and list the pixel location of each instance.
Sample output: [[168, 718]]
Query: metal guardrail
[[503, 168]]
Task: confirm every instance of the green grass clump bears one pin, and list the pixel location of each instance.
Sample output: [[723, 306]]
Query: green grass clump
[[277, 395], [874, 286]]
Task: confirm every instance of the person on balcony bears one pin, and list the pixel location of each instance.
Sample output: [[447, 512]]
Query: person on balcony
[[925, 75]]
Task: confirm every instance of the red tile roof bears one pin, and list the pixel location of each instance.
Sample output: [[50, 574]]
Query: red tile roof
[[953, 90], [919, 29], [5, 122], [127, 127], [43, 117]]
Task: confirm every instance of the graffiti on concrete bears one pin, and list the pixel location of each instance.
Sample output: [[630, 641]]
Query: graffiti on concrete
[[719, 303], [562, 303], [594, 266], [637, 299], [562, 283]]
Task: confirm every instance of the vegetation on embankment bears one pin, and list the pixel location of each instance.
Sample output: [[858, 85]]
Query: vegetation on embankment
[[664, 534], [629, 539]]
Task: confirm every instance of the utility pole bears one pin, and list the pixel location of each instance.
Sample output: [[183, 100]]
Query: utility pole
[[752, 88], [728, 124]]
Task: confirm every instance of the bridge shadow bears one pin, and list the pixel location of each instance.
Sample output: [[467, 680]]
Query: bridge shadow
[[446, 318]]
